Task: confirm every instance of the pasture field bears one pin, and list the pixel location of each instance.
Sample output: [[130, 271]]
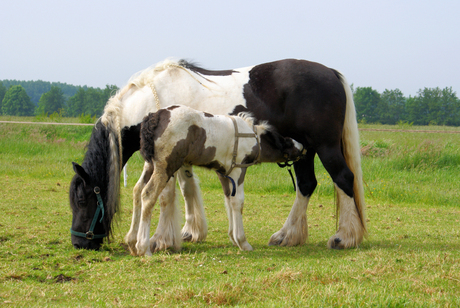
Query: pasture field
[[410, 259]]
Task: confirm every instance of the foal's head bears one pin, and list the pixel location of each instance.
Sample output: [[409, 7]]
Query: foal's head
[[276, 148]]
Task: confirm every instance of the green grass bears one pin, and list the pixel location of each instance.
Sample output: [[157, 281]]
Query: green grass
[[411, 258]]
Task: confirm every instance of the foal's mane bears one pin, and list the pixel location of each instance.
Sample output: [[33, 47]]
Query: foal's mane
[[261, 127]]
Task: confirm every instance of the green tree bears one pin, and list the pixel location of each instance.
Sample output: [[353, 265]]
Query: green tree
[[2, 95], [449, 112], [368, 102], [16, 102], [395, 102], [76, 103], [51, 101]]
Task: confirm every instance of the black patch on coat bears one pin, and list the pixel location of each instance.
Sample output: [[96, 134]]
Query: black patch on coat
[[130, 138], [172, 107]]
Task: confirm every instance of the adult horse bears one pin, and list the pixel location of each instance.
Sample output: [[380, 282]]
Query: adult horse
[[304, 100]]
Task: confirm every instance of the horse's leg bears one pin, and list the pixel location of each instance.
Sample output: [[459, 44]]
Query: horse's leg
[[295, 229], [149, 197], [234, 206], [351, 229], [196, 227], [227, 188], [168, 232], [131, 236]]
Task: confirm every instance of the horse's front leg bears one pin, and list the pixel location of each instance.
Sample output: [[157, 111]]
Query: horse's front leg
[[131, 236], [196, 227], [149, 197], [168, 233], [235, 210], [295, 229]]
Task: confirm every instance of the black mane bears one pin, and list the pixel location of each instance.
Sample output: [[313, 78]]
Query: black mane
[[96, 163], [199, 70]]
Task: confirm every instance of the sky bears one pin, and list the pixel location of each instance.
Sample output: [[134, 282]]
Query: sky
[[406, 45]]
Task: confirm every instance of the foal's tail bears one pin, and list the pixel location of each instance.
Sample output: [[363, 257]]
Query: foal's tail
[[352, 152], [147, 135]]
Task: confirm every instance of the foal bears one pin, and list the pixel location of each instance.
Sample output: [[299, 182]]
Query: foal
[[179, 135]]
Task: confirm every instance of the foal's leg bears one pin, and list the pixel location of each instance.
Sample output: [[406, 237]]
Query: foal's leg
[[351, 229], [149, 197], [234, 206], [131, 236], [295, 229], [168, 232], [227, 188], [196, 227]]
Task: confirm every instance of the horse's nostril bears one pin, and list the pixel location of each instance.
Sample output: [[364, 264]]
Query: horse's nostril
[[76, 246]]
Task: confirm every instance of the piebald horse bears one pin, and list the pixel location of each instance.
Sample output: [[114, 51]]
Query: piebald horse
[[180, 135], [303, 100]]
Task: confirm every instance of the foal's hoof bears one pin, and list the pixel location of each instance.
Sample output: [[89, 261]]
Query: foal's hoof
[[186, 237]]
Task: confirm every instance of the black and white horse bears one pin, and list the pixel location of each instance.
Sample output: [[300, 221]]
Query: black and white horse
[[304, 100], [180, 135]]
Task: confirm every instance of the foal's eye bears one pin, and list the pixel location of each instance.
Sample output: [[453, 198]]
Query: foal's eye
[[81, 203]]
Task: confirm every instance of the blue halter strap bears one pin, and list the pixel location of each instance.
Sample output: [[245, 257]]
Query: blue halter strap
[[100, 208]]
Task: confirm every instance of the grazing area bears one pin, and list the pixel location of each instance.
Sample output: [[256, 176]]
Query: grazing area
[[410, 258]]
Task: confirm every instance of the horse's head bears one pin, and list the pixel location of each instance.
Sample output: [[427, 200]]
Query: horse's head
[[276, 148], [88, 227]]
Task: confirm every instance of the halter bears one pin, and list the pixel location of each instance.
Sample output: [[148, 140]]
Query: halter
[[100, 208], [235, 147], [235, 153]]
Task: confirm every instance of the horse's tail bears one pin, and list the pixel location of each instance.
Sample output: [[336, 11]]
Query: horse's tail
[[352, 152]]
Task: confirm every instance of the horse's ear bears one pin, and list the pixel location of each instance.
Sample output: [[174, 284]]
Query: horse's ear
[[81, 172]]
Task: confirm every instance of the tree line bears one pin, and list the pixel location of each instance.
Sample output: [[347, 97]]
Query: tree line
[[431, 106], [28, 98]]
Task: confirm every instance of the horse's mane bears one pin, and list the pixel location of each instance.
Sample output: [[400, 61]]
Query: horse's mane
[[101, 162], [140, 79]]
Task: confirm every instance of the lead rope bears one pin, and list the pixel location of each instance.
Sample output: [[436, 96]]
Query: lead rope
[[288, 165]]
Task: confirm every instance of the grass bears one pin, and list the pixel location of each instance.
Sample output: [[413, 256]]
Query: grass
[[411, 257]]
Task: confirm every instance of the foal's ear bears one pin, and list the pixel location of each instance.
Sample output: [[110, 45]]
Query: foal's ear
[[81, 172]]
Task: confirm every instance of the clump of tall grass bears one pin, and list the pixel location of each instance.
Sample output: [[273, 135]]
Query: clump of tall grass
[[426, 156]]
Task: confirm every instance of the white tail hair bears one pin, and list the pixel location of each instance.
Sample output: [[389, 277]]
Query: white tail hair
[[352, 152]]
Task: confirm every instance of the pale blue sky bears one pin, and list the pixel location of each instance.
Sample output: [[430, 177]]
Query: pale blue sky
[[383, 44]]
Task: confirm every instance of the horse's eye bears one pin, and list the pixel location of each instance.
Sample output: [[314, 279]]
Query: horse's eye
[[81, 203]]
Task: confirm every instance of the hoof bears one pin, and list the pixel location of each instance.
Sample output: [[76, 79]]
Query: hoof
[[335, 243], [277, 239], [186, 237]]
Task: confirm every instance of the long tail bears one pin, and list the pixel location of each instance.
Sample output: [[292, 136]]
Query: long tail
[[352, 152]]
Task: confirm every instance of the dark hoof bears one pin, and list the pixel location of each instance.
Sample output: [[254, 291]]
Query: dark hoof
[[335, 244], [186, 237], [278, 241]]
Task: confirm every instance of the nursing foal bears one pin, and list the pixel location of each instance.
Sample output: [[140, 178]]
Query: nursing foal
[[179, 135]]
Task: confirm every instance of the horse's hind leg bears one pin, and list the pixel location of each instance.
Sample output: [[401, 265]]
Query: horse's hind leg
[[168, 232], [295, 229], [131, 236], [196, 227], [351, 229]]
